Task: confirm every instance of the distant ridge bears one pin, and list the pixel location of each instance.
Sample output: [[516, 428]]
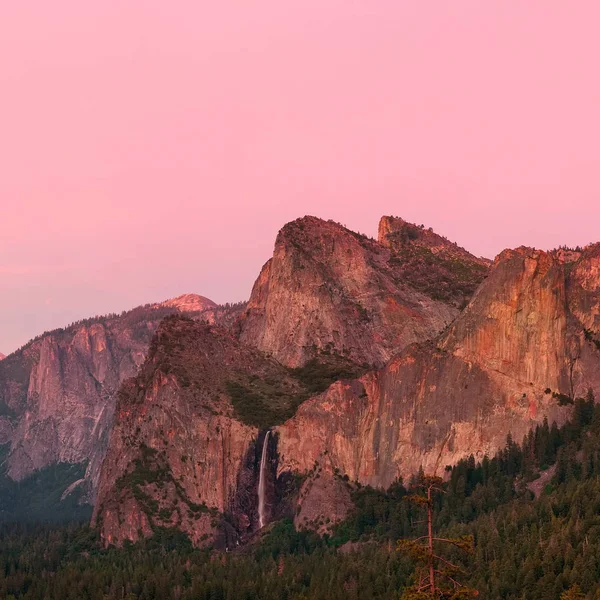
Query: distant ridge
[[74, 372]]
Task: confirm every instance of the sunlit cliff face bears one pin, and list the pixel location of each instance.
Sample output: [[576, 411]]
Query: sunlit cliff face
[[527, 337], [345, 292]]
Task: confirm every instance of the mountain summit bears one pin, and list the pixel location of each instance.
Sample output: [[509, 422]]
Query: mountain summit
[[58, 392], [329, 289], [189, 303], [456, 352], [354, 360]]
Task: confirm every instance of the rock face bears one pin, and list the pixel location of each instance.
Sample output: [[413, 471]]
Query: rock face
[[328, 289], [324, 499], [455, 354], [179, 453], [189, 435], [190, 303], [2, 356], [57, 394], [529, 333]]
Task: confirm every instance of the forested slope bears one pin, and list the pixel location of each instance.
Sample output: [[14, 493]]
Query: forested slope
[[525, 547]]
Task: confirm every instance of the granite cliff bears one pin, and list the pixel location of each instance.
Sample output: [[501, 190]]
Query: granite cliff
[[183, 451], [329, 304], [365, 359], [446, 384], [329, 289], [57, 393], [523, 349]]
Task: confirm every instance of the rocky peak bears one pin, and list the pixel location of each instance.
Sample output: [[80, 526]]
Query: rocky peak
[[2, 356], [187, 422], [311, 229], [535, 319], [188, 303], [567, 255], [329, 290], [432, 264], [58, 392], [516, 324], [523, 349]]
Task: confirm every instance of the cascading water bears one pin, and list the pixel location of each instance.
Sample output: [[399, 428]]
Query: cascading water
[[262, 476]]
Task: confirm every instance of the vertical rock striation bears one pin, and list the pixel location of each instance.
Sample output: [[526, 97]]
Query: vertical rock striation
[[57, 393], [447, 384], [181, 453], [527, 335]]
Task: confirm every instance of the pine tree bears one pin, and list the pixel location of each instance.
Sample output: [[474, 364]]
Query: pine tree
[[436, 576]]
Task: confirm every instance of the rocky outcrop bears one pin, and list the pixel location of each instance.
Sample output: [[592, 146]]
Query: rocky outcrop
[[324, 499], [190, 303], [521, 350], [183, 449], [535, 321], [328, 289], [57, 394], [524, 346], [516, 325], [583, 273]]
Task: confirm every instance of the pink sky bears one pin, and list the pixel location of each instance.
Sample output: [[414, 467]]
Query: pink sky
[[151, 148]]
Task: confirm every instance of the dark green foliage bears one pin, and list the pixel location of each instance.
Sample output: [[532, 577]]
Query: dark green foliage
[[319, 373], [67, 564], [284, 539], [151, 468], [563, 399], [37, 498], [525, 548], [379, 515], [6, 411], [263, 406], [442, 277], [266, 402]]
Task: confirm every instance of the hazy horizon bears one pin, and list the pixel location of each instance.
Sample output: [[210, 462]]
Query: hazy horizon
[[165, 161]]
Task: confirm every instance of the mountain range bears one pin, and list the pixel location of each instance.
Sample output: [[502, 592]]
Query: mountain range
[[365, 360]]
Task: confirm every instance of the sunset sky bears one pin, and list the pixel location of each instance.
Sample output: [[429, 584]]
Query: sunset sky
[[152, 148]]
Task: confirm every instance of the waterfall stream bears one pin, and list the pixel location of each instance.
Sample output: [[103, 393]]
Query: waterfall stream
[[262, 482]]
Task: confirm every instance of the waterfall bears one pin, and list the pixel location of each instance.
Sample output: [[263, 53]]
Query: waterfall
[[262, 482]]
